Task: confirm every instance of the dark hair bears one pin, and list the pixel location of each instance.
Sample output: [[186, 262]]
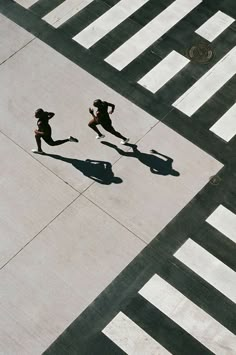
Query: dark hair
[[38, 112], [97, 102]]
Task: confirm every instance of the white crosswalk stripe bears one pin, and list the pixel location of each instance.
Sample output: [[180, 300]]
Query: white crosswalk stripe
[[208, 267], [225, 127], [212, 28], [65, 11], [131, 338], [163, 72], [224, 221], [26, 3]]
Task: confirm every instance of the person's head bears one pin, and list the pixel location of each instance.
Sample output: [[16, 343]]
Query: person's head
[[38, 113], [97, 103]]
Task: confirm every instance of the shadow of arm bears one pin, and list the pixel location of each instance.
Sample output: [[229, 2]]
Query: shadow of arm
[[170, 160]]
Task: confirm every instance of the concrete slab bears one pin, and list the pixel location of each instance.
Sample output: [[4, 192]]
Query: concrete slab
[[15, 39], [59, 274], [146, 201], [53, 82], [31, 197]]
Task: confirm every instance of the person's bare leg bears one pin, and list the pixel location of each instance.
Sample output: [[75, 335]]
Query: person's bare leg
[[93, 125], [51, 142], [112, 130], [38, 141]]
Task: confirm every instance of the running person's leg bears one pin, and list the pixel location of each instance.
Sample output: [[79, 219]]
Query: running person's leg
[[93, 124], [50, 141], [109, 128], [38, 141]]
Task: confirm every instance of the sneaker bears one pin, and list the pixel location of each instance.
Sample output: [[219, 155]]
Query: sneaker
[[100, 137], [124, 141], [36, 151], [72, 139]]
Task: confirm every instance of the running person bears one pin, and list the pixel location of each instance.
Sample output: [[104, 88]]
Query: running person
[[102, 117], [44, 131]]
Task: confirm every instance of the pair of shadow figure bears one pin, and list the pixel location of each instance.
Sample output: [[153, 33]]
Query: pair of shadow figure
[[101, 171]]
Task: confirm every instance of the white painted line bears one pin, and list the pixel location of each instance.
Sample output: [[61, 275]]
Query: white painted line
[[107, 22], [215, 26], [150, 33], [189, 316], [224, 221], [208, 267], [225, 127], [26, 3], [131, 338], [163, 71], [207, 85], [65, 11]]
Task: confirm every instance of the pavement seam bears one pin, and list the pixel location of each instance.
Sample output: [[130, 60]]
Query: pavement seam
[[116, 220], [20, 250], [18, 50], [38, 161], [145, 242]]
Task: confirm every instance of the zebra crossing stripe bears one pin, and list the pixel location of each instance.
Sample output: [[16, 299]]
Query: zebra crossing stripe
[[213, 27], [26, 3], [224, 221], [225, 127], [208, 85], [208, 267], [65, 11], [189, 316], [105, 23], [131, 338], [150, 33], [163, 71]]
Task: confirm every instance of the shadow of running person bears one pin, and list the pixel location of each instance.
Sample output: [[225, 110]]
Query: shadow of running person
[[97, 170], [156, 164]]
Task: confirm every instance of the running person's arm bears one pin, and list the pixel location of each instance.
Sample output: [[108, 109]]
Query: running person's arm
[[38, 133], [92, 112], [112, 107]]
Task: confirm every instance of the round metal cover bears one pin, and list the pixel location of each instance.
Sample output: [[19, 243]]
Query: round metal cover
[[215, 180], [200, 53]]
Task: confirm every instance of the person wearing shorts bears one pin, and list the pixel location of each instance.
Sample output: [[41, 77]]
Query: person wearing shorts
[[102, 117], [44, 131]]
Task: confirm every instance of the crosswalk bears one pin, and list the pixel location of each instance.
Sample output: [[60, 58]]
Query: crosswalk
[[166, 69], [181, 310], [150, 33]]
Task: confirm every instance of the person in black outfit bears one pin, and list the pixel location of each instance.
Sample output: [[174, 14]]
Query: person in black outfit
[[44, 131], [102, 117]]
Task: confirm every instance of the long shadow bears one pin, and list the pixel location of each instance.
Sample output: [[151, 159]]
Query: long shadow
[[97, 170], [156, 164]]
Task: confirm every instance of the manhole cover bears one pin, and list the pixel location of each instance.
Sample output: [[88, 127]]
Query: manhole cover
[[200, 53], [215, 180]]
